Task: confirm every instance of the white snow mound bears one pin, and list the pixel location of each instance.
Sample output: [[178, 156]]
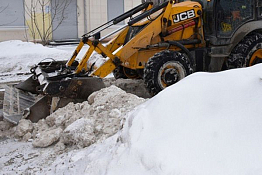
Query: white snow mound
[[18, 56], [208, 123]]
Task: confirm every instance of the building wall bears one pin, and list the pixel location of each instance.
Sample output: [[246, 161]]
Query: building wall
[[13, 33], [64, 15], [96, 14], [90, 14], [131, 4], [81, 17], [60, 19], [12, 24]]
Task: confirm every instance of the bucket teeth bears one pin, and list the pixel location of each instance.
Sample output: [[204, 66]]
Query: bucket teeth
[[15, 102]]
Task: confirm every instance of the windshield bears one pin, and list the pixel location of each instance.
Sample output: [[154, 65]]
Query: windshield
[[231, 14]]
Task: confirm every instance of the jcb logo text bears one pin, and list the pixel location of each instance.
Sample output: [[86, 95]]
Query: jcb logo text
[[183, 16]]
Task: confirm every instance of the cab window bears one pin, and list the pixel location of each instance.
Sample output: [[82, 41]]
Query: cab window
[[231, 14], [259, 6]]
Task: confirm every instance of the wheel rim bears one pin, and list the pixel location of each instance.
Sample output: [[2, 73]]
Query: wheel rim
[[130, 73], [256, 57], [170, 73]]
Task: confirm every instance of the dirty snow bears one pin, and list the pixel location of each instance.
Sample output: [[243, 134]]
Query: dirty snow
[[208, 123], [73, 127], [24, 127]]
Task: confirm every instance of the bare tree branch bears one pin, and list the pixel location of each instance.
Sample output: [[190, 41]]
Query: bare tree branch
[[3, 8], [42, 23]]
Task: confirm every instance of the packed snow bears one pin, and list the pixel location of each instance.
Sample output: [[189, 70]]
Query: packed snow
[[208, 123]]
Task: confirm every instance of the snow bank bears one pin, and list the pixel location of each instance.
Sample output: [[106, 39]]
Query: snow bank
[[19, 57], [208, 123]]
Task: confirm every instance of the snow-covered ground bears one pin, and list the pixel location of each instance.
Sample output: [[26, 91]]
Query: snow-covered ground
[[18, 57], [208, 123]]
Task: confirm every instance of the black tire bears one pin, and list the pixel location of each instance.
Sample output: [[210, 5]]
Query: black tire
[[123, 72], [119, 73], [164, 69], [242, 53]]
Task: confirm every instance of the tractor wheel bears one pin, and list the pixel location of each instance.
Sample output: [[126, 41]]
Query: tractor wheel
[[164, 69], [247, 53], [123, 72], [119, 73]]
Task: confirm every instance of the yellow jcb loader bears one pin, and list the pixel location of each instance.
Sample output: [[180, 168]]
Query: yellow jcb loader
[[160, 44]]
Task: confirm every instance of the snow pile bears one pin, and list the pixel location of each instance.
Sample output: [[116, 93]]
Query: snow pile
[[208, 123], [19, 57], [84, 123], [71, 127], [205, 124]]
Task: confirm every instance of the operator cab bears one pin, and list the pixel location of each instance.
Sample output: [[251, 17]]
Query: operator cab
[[223, 18], [231, 14]]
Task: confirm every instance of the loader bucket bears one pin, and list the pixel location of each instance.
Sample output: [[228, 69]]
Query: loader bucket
[[15, 102], [28, 85], [20, 104], [75, 88]]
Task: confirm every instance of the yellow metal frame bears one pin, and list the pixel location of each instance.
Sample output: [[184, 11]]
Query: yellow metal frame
[[134, 54]]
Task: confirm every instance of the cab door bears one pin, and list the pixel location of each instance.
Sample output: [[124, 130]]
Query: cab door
[[259, 9], [232, 14]]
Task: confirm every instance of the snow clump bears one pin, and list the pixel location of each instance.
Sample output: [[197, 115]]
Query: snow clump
[[24, 127], [82, 124]]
